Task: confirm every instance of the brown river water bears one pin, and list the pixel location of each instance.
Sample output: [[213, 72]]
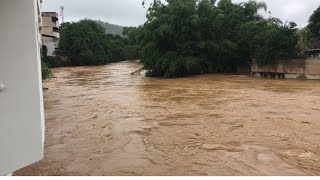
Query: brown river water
[[103, 121]]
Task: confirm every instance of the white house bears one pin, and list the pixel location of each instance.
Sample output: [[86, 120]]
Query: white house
[[50, 32], [21, 99]]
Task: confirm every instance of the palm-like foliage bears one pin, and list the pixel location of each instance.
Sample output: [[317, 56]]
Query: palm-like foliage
[[183, 37]]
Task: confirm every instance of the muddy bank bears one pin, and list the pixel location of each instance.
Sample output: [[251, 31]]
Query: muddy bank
[[104, 121]]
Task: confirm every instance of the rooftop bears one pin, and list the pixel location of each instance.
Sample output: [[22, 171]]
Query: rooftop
[[49, 14]]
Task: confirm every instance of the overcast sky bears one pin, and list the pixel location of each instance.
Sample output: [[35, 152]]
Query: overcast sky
[[131, 12]]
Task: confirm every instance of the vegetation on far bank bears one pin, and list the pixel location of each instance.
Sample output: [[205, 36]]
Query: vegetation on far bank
[[185, 37], [188, 37], [86, 43]]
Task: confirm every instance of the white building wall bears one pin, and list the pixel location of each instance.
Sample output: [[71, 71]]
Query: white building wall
[[51, 47], [50, 42], [21, 104], [39, 22], [48, 26]]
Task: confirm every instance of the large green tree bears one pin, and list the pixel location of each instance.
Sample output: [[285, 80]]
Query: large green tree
[[274, 41], [85, 42], [133, 37], [185, 37], [314, 23]]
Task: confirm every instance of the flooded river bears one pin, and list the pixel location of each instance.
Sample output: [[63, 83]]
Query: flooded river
[[104, 121]]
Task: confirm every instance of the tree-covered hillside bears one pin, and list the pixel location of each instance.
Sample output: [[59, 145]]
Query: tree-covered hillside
[[111, 28]]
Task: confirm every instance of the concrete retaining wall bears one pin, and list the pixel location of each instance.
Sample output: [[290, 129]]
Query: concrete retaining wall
[[293, 68]]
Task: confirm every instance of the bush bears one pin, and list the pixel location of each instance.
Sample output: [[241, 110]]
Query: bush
[[54, 62], [46, 72]]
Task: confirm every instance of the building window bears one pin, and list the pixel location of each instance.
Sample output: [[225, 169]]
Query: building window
[[55, 29]]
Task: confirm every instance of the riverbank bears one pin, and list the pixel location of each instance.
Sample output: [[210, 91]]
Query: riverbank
[[103, 121]]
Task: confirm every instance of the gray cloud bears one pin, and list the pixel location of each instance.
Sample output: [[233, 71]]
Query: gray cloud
[[298, 11], [122, 12], [131, 12]]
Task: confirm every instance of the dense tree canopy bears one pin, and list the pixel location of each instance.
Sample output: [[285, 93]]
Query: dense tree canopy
[[314, 23], [87, 44], [185, 37], [133, 37], [311, 34], [274, 42]]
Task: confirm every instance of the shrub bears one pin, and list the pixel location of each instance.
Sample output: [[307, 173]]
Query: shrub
[[54, 62], [46, 72]]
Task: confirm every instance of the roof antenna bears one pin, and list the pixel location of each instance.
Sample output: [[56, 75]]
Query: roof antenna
[[62, 13]]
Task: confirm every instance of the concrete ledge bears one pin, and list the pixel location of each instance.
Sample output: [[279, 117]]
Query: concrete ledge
[[291, 69]]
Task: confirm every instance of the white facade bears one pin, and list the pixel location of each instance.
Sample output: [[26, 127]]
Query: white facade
[[21, 103], [50, 32], [51, 44]]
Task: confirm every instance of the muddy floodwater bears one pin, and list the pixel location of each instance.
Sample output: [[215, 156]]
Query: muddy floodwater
[[104, 121]]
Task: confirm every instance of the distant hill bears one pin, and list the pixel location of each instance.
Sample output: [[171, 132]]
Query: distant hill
[[112, 28]]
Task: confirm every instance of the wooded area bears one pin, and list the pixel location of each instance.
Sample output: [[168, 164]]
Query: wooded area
[[189, 37]]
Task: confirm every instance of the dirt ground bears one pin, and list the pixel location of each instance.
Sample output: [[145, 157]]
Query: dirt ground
[[104, 121]]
